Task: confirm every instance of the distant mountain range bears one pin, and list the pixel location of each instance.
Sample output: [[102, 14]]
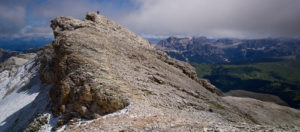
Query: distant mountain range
[[269, 66], [224, 51], [21, 44]]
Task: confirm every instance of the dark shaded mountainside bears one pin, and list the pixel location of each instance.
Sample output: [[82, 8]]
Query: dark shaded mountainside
[[270, 66], [224, 51], [97, 69], [5, 54], [12, 59]]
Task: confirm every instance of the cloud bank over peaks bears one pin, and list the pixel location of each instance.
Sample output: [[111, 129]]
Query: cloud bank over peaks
[[216, 18]]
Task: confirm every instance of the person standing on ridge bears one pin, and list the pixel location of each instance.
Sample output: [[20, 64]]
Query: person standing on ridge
[[98, 12]]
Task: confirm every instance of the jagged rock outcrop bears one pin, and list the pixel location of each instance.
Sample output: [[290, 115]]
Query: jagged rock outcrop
[[99, 67], [83, 68], [83, 87]]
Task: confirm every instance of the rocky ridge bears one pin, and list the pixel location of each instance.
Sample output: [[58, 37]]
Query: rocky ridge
[[85, 81], [99, 76], [99, 67]]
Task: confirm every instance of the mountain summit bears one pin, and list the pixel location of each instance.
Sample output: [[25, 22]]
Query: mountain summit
[[100, 67], [98, 70]]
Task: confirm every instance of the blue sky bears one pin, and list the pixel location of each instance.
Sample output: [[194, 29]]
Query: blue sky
[[160, 18], [29, 18]]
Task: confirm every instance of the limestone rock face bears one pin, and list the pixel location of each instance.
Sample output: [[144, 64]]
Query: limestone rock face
[[83, 87], [47, 62], [99, 67], [91, 62]]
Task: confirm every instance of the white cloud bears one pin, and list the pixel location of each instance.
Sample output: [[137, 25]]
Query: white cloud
[[212, 18], [18, 20], [35, 31], [12, 18], [54, 8], [13, 15], [216, 18]]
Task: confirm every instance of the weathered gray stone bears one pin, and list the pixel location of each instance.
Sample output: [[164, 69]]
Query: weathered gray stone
[[100, 67]]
